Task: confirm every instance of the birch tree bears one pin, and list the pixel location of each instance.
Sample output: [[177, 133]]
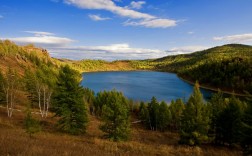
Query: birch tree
[[40, 90], [9, 84], [2, 95]]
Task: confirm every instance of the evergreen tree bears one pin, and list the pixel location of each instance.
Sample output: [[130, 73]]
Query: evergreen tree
[[153, 108], [32, 126], [89, 99], [30, 82], [164, 116], [229, 122], [216, 105], [176, 109], [195, 122], [100, 101], [115, 114], [246, 130], [68, 102], [144, 114]]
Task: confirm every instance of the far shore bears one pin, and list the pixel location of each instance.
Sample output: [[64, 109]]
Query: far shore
[[183, 79], [214, 89]]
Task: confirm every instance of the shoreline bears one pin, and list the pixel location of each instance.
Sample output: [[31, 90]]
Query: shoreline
[[214, 89], [183, 79]]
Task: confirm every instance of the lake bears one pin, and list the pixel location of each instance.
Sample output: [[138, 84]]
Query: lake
[[141, 85]]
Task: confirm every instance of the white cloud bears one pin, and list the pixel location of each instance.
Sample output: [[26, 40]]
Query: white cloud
[[242, 38], [109, 5], [98, 18], [109, 52], [152, 23], [137, 5], [185, 50], [40, 33], [44, 39], [191, 32]]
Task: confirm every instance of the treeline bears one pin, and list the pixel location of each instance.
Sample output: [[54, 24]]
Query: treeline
[[228, 67], [233, 73], [221, 121], [61, 94]]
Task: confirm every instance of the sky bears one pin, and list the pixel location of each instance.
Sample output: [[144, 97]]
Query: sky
[[125, 29]]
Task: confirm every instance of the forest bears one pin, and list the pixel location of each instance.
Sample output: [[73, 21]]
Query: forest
[[52, 88]]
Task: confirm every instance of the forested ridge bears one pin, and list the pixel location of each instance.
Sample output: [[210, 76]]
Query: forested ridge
[[227, 67]]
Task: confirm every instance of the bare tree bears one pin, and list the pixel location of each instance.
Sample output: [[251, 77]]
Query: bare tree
[[10, 87], [40, 91]]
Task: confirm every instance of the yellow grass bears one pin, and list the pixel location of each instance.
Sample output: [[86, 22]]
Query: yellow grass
[[14, 141]]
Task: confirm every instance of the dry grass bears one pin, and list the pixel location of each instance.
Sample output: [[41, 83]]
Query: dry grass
[[14, 141]]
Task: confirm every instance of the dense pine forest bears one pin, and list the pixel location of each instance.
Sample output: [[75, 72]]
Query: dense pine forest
[[44, 95]]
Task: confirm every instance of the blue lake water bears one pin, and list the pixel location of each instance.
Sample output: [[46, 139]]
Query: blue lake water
[[141, 85]]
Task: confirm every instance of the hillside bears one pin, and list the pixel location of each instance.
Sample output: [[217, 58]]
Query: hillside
[[227, 67], [14, 141], [21, 58], [37, 76], [99, 65], [179, 62]]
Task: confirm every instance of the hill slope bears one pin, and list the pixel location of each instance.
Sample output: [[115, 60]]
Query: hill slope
[[228, 67]]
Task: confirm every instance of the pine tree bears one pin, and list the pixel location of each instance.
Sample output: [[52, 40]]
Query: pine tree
[[153, 108], [32, 126], [115, 114], [68, 102], [164, 116], [229, 122], [246, 130], [89, 99], [100, 101], [176, 109], [144, 114], [216, 106], [195, 122]]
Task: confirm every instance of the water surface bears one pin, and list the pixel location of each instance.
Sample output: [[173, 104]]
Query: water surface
[[141, 85]]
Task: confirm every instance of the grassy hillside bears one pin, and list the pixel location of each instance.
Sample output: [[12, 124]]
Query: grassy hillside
[[50, 141], [14, 141], [99, 65], [228, 67], [181, 62], [21, 58]]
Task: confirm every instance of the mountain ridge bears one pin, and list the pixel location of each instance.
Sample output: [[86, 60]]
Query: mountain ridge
[[233, 59]]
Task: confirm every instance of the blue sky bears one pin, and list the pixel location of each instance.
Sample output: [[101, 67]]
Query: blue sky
[[124, 29]]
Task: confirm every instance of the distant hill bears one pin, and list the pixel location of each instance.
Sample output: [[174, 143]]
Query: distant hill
[[228, 67]]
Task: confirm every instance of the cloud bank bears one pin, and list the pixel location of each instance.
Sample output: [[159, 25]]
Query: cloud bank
[[44, 39], [60, 47], [139, 19], [185, 50], [108, 52], [242, 38]]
